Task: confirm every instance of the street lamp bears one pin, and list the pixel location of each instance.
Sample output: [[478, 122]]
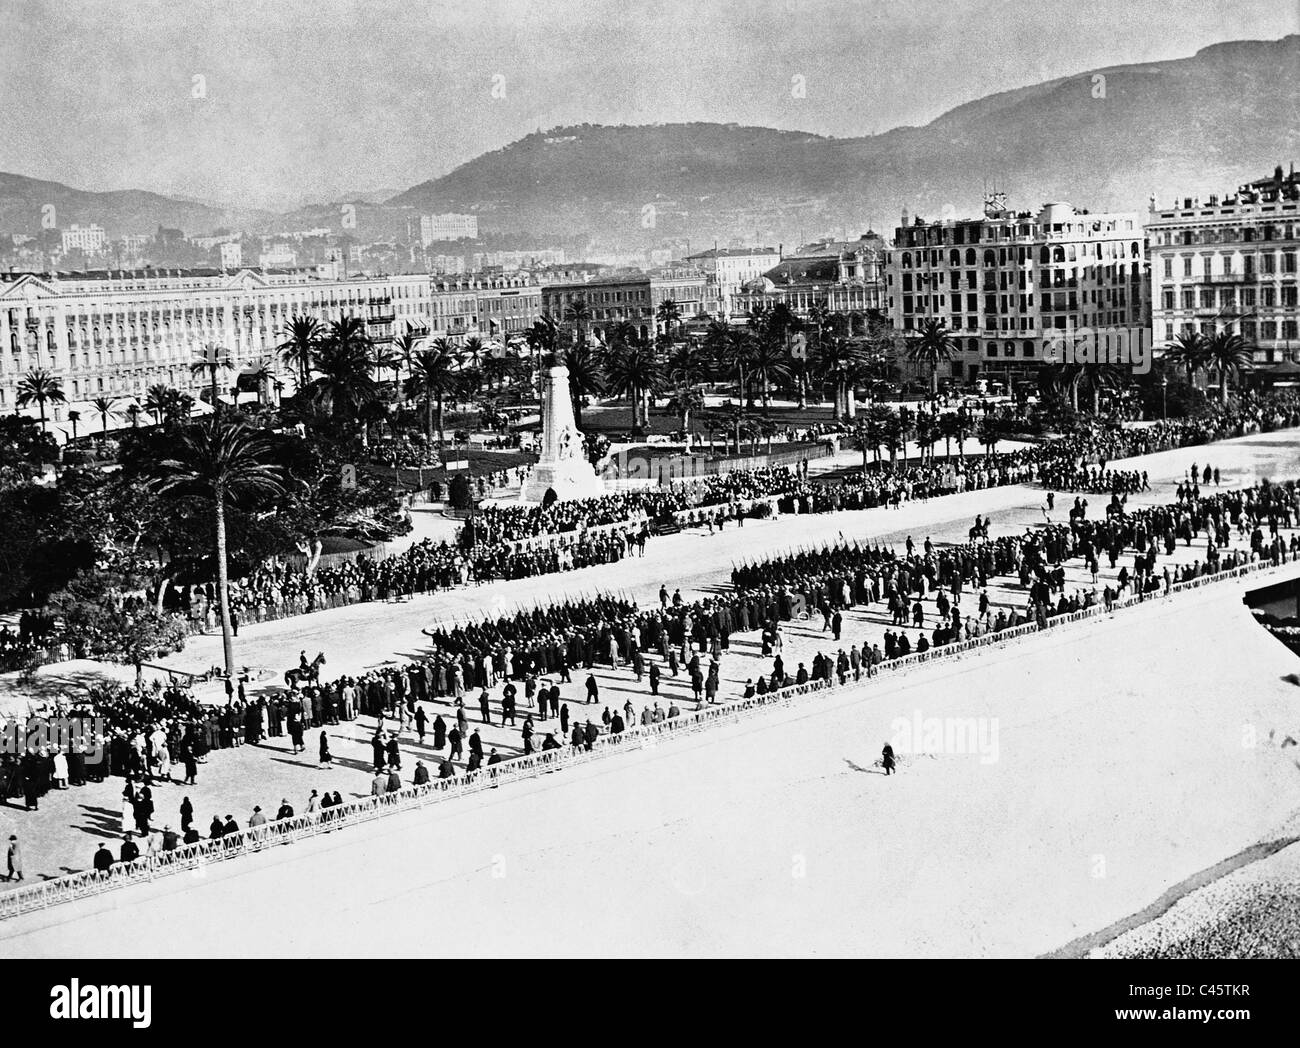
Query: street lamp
[[1164, 397]]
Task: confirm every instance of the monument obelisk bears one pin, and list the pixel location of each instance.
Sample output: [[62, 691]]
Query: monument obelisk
[[562, 466]]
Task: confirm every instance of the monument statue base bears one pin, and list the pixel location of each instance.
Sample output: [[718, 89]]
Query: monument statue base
[[562, 465], [569, 479]]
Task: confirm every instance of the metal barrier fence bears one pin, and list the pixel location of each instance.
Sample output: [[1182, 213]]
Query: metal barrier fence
[[195, 857]]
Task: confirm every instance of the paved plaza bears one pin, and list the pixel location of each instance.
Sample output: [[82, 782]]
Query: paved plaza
[[62, 836]]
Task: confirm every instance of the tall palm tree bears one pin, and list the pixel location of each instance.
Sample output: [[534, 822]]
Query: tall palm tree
[[769, 365], [431, 379], [874, 429], [406, 345], [134, 411], [932, 346], [686, 401], [74, 417], [104, 408], [301, 339], [578, 314], [1228, 354], [1190, 352], [344, 381], [213, 359], [585, 378], [1101, 377], [927, 433], [669, 314], [156, 401], [39, 387], [222, 462], [734, 356], [384, 359], [633, 370], [840, 363]]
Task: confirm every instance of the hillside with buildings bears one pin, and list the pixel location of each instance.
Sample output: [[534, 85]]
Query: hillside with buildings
[[1110, 136]]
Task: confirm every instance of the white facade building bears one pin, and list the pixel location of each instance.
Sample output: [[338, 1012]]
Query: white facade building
[[89, 239], [434, 228]]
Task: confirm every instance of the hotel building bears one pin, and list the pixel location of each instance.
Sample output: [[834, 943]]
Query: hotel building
[[1231, 263], [116, 333]]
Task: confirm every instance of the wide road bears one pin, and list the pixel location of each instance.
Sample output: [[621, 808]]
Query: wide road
[[1121, 756], [365, 635]]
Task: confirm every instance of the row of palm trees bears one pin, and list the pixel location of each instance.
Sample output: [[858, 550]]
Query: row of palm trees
[[1224, 354]]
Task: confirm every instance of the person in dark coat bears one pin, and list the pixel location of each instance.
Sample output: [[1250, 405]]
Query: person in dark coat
[[130, 852], [325, 757], [564, 719], [394, 753], [484, 707], [421, 719], [378, 752], [454, 738], [439, 732], [476, 744], [593, 689], [654, 678], [887, 759], [215, 829], [187, 814], [103, 859]]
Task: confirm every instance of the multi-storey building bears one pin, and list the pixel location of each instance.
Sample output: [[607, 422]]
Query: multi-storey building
[[1005, 283], [728, 269], [90, 240], [845, 277], [232, 255], [435, 228], [1231, 264], [632, 298], [116, 333]]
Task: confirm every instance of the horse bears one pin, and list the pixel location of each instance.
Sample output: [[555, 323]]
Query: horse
[[302, 676]]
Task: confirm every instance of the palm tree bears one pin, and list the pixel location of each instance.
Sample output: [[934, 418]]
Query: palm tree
[[578, 314], [104, 407], [734, 356], [633, 370], [669, 314], [156, 401], [1190, 351], [345, 381], [264, 374], [1228, 354], [301, 340], [877, 424], [39, 387], [927, 433], [932, 346], [543, 339], [213, 360], [74, 417], [585, 378], [382, 359], [769, 366], [840, 363], [406, 345], [431, 379], [1100, 377], [134, 411], [222, 462]]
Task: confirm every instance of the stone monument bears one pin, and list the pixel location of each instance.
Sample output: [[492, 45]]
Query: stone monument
[[562, 466]]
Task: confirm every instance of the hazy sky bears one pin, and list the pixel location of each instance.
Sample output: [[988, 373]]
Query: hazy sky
[[308, 99]]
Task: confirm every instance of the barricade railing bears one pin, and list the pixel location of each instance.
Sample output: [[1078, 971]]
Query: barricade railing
[[194, 857]]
